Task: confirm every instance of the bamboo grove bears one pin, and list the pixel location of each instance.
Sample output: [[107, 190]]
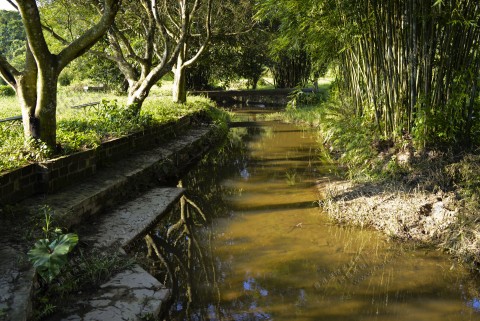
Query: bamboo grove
[[409, 66], [414, 67]]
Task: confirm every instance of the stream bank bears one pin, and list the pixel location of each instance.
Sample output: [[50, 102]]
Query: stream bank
[[409, 192], [433, 211]]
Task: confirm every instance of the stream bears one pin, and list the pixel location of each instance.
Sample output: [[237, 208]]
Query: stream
[[265, 250]]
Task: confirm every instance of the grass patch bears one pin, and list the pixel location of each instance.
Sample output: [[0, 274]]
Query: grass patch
[[78, 130]]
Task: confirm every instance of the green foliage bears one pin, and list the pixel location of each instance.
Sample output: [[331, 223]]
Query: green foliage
[[83, 129], [434, 96], [12, 37], [49, 255], [351, 136], [11, 155], [15, 151], [102, 123], [6, 91], [301, 98], [65, 78]]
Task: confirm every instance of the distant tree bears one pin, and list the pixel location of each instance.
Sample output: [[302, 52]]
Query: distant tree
[[188, 54], [291, 68], [232, 39], [12, 38], [36, 85], [253, 58], [11, 30]]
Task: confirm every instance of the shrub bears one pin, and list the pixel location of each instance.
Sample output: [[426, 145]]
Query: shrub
[[7, 91], [65, 79]]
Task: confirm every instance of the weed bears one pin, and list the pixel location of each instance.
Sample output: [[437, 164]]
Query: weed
[[291, 177], [87, 270], [49, 255]]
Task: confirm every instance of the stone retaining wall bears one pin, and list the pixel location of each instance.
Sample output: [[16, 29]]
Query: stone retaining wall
[[55, 174]]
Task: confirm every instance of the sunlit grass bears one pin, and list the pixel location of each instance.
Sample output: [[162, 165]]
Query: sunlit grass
[[9, 107], [81, 129]]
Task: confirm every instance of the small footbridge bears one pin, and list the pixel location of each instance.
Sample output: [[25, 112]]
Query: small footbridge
[[278, 97]]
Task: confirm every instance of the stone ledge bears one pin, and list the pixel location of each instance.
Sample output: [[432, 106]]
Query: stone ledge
[[129, 295], [16, 284], [132, 220], [113, 184], [55, 174]]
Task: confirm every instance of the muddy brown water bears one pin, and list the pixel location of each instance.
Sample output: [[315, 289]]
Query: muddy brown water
[[269, 253]]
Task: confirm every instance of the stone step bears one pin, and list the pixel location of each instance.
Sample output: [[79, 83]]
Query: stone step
[[117, 182], [132, 294], [130, 221], [129, 295]]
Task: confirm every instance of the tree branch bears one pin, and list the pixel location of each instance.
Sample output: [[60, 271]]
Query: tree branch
[[118, 35], [33, 29], [205, 43], [169, 15], [55, 35], [13, 4], [8, 72], [91, 36]]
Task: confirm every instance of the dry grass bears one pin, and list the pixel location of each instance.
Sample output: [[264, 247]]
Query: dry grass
[[438, 219]]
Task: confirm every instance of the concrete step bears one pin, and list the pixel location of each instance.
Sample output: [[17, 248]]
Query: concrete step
[[117, 182], [129, 295], [132, 294], [130, 221]]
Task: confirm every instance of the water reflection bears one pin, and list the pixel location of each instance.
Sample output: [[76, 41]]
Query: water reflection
[[265, 252]]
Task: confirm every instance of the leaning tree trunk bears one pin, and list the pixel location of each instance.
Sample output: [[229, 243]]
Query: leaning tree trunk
[[137, 93]]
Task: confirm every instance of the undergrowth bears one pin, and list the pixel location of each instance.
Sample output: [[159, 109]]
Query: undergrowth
[[78, 130]]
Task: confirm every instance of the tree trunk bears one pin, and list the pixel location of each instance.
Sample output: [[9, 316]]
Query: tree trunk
[[37, 95], [27, 96], [137, 93], [36, 86], [179, 90]]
